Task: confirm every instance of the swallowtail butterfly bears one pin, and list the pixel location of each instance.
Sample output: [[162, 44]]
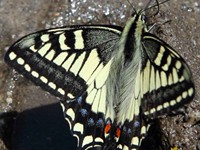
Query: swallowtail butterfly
[[111, 81]]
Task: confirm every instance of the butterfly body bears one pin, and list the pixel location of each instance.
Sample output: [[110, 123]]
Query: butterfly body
[[111, 81]]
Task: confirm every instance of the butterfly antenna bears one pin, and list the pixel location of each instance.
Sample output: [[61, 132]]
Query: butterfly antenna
[[132, 6], [147, 5], [157, 4]]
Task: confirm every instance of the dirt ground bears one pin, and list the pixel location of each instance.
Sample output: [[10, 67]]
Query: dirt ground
[[179, 25]]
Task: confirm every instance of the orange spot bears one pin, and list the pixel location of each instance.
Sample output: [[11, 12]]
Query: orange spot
[[118, 132], [107, 128]]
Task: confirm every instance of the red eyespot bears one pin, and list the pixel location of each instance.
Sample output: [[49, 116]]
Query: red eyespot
[[107, 128], [118, 132]]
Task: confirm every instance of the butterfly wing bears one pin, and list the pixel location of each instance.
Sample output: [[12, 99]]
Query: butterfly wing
[[72, 63], [166, 81], [161, 83]]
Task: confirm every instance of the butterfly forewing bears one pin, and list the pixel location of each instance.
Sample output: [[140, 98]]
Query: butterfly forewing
[[55, 59], [71, 63], [166, 79]]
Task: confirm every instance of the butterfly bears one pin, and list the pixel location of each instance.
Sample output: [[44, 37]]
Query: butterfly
[[111, 81]]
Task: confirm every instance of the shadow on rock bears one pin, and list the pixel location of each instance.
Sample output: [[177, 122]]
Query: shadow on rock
[[37, 129]]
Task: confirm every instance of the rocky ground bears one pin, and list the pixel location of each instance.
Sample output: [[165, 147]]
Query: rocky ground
[[178, 23]]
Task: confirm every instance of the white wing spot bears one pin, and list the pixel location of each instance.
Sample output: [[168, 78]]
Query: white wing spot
[[184, 94], [172, 102], [52, 85], [153, 110], [71, 113], [178, 64], [135, 140], [178, 99], [70, 95], [160, 107], [20, 61], [125, 147], [35, 74], [12, 56], [143, 130], [166, 104], [146, 112], [190, 91], [78, 127], [98, 139], [79, 42], [61, 91], [119, 146], [45, 37], [27, 67], [43, 79], [87, 140]]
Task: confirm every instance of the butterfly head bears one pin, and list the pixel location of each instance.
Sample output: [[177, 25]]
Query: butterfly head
[[141, 16], [149, 5]]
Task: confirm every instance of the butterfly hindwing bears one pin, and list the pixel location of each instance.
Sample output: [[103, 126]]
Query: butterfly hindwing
[[88, 114], [166, 78]]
